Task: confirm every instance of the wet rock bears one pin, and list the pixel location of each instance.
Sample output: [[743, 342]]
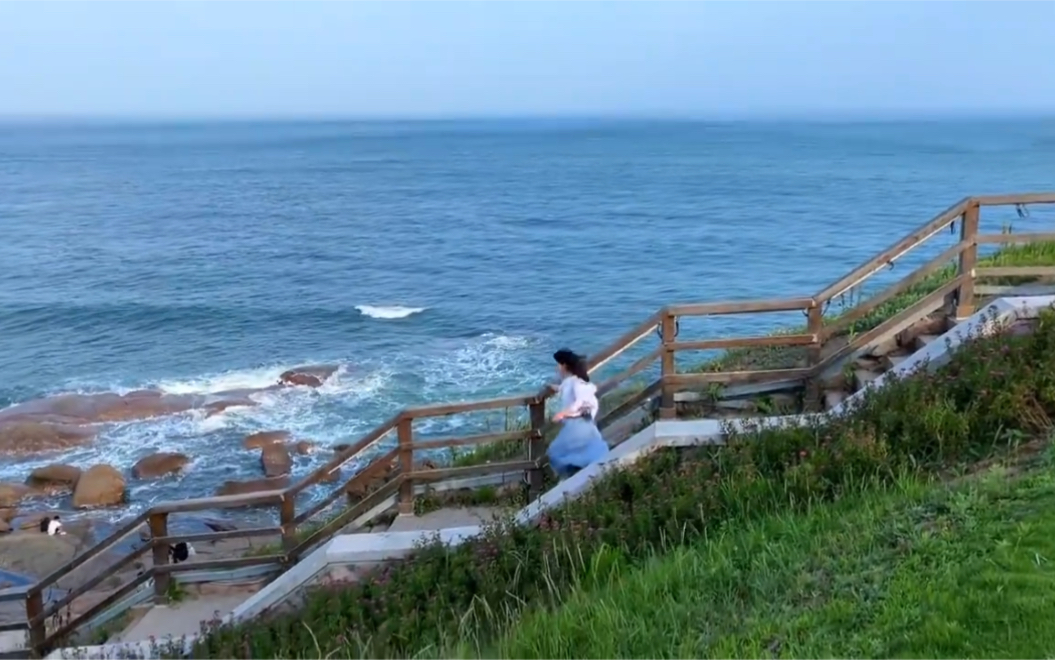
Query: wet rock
[[159, 464], [252, 486], [338, 448], [12, 494], [308, 376], [275, 460], [264, 439], [217, 407], [25, 437], [218, 525], [100, 485], [54, 479], [304, 447], [31, 521]]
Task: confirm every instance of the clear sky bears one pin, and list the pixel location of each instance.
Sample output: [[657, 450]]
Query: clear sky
[[438, 59]]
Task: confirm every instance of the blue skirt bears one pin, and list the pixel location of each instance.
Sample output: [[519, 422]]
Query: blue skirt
[[578, 444]]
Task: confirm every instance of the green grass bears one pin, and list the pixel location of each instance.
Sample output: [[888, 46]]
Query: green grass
[[918, 570]]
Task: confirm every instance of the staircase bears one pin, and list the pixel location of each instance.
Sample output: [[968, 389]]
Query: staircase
[[328, 528]]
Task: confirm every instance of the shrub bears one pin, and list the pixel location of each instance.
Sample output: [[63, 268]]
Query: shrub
[[994, 392]]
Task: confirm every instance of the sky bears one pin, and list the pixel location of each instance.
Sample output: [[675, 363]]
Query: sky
[[302, 59]]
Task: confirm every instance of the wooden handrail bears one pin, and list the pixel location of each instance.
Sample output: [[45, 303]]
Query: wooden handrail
[[399, 459], [892, 253]]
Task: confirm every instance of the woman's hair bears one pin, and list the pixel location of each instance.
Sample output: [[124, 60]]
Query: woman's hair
[[576, 364]]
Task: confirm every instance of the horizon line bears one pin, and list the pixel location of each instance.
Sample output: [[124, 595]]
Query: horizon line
[[861, 115]]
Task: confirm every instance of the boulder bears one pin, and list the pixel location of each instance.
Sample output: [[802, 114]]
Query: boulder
[[12, 494], [338, 448], [304, 447], [252, 486], [5, 526], [53, 479], [308, 376], [7, 514], [264, 438], [276, 460], [22, 438], [100, 485], [159, 464]]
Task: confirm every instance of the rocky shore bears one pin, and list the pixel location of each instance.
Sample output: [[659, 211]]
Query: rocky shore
[[52, 424]]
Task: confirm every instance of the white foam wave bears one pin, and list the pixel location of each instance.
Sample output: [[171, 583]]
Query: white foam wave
[[388, 312], [231, 380]]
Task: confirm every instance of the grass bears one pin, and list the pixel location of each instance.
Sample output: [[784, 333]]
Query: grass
[[996, 394], [917, 570]]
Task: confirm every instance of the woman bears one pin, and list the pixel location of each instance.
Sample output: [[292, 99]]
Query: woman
[[579, 442]]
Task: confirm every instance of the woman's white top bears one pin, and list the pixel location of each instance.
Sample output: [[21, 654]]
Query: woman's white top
[[577, 396], [54, 527]]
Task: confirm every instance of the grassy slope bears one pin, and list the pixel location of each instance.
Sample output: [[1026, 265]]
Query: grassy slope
[[917, 571]]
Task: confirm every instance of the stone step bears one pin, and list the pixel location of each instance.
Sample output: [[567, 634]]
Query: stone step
[[894, 359], [832, 398], [923, 341], [863, 377]]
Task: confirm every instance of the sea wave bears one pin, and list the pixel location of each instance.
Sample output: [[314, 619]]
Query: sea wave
[[388, 312]]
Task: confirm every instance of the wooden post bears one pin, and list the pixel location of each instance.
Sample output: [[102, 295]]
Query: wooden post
[[287, 513], [814, 326], [405, 434], [159, 527], [668, 330], [536, 447], [968, 261], [37, 631]]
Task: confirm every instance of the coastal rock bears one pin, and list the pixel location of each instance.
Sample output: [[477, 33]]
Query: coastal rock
[[7, 514], [159, 464], [218, 525], [5, 526], [304, 447], [308, 376], [12, 494], [276, 460], [54, 479], [32, 553], [30, 437], [100, 485], [338, 448], [56, 422], [264, 438], [252, 486], [217, 407]]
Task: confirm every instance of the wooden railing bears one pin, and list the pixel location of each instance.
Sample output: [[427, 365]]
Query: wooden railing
[[825, 341]]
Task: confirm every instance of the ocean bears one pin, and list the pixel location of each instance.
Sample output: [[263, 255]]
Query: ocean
[[434, 261]]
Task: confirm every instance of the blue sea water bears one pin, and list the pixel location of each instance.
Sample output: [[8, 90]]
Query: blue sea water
[[435, 261]]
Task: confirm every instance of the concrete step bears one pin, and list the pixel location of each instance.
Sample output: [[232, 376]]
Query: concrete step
[[177, 620], [446, 517]]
